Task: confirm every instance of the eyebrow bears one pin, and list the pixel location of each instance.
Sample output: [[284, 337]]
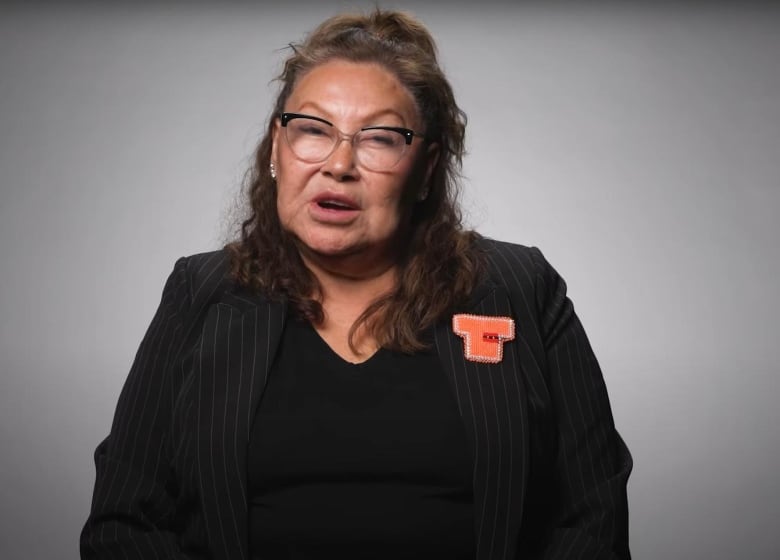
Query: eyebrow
[[370, 118]]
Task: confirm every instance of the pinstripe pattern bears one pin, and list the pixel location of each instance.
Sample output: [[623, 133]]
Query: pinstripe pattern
[[489, 398], [549, 469]]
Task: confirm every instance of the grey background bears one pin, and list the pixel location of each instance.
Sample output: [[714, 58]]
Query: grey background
[[638, 146]]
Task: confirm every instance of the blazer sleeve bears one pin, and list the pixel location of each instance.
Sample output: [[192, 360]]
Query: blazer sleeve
[[133, 505], [589, 512]]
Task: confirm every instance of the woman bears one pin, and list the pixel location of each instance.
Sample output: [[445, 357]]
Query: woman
[[357, 376]]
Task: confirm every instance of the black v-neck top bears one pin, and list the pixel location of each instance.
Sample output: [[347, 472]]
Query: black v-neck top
[[362, 460]]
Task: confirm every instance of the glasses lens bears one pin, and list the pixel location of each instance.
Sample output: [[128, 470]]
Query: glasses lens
[[310, 139], [380, 149], [313, 141]]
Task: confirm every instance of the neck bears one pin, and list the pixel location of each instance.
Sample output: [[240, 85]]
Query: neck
[[351, 280], [346, 292]]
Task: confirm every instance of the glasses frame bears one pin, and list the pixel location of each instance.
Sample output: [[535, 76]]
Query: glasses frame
[[408, 134]]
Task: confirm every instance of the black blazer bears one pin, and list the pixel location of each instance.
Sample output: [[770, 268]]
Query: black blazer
[[550, 470]]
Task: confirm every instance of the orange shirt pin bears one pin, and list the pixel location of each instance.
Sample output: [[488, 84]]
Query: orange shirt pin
[[483, 336]]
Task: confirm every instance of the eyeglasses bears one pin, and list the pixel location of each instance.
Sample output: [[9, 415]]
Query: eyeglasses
[[377, 148]]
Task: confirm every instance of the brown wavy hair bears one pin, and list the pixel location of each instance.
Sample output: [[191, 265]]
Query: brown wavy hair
[[441, 264]]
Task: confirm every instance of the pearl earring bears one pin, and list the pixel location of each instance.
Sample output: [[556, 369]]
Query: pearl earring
[[273, 171]]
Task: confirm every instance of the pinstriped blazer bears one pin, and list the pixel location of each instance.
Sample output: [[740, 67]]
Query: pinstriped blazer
[[550, 470]]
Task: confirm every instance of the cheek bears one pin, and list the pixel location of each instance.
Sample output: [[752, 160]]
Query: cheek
[[401, 195], [285, 202], [290, 187], [393, 207]]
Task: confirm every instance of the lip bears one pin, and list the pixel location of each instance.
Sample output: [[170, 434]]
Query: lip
[[344, 208], [344, 200]]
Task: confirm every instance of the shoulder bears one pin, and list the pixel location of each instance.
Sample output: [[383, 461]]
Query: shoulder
[[202, 269], [525, 274], [201, 279], [511, 264], [209, 280]]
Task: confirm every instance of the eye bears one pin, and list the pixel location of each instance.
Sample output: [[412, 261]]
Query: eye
[[380, 138], [311, 128]]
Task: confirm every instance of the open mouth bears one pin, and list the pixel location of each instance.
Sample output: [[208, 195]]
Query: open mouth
[[335, 205]]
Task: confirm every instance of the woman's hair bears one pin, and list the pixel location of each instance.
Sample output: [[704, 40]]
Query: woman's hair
[[441, 264]]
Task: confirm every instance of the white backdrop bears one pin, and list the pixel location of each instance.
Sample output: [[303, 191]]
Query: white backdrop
[[638, 147]]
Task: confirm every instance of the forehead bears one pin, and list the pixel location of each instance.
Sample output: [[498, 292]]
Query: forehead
[[353, 91]]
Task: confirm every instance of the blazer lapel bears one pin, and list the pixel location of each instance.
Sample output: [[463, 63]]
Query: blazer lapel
[[492, 403], [240, 338]]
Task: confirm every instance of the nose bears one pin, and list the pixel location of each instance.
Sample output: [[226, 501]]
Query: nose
[[341, 163]]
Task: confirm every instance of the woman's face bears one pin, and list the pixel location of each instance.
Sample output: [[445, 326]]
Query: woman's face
[[337, 207]]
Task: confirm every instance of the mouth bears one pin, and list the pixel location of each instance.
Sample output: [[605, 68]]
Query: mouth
[[336, 203]]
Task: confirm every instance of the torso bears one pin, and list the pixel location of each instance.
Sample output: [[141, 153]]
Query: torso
[[358, 460]]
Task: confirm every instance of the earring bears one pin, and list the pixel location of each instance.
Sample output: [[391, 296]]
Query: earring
[[423, 194], [273, 171]]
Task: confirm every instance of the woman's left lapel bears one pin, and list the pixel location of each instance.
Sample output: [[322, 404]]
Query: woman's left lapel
[[491, 399]]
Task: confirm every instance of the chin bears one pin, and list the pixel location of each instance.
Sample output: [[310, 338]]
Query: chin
[[336, 250], [329, 247]]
